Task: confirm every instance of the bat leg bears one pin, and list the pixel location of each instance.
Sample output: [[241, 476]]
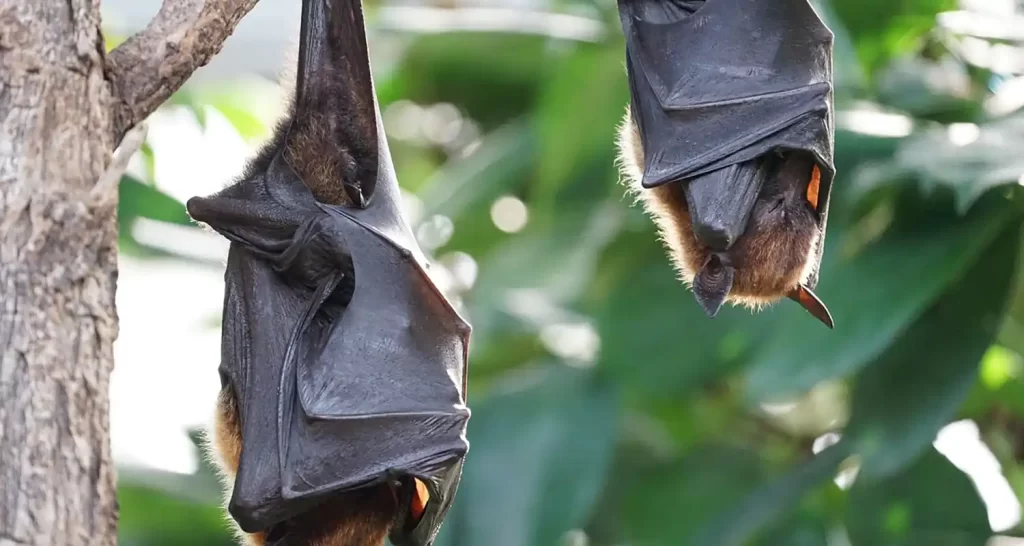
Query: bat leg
[[224, 448]]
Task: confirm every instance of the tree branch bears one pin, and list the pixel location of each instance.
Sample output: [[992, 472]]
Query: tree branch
[[151, 65]]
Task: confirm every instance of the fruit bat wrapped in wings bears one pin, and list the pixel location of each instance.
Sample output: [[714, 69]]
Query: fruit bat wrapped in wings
[[342, 416], [729, 141]]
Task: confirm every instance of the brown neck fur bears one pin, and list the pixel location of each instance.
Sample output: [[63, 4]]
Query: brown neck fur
[[771, 257], [357, 518]]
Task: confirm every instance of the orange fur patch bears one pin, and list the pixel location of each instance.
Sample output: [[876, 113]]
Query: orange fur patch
[[419, 500], [356, 518], [812, 187]]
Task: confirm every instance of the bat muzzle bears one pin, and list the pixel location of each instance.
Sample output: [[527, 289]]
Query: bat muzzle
[[720, 202]]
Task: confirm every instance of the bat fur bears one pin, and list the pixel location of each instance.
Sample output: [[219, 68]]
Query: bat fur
[[773, 257], [323, 149]]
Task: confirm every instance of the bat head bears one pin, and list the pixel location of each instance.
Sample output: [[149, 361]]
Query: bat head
[[753, 246]]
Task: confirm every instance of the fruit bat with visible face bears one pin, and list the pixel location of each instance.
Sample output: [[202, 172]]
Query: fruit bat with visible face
[[342, 415], [728, 142]]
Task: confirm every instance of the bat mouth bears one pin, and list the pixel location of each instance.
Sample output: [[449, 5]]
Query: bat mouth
[[720, 202]]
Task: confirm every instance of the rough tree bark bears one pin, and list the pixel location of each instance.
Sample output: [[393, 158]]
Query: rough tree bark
[[64, 106]]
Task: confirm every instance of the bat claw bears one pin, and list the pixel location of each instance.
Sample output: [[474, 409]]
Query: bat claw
[[809, 301], [355, 194]]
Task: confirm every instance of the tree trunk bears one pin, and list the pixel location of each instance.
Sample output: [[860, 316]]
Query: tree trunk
[[63, 108], [58, 271]]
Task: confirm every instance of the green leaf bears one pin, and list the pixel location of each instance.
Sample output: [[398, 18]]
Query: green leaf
[[883, 29], [576, 129], [937, 159], [493, 77], [553, 263], [848, 76], [937, 90], [494, 168], [153, 518], [655, 339], [667, 504], [902, 400], [138, 199], [873, 295], [540, 450], [771, 502], [931, 502]]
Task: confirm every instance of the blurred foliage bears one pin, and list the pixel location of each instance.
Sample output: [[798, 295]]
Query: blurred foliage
[[607, 409]]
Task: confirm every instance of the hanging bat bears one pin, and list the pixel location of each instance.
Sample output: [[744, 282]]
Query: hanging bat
[[342, 415], [728, 143]]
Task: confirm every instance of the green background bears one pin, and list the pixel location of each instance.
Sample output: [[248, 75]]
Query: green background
[[661, 435]]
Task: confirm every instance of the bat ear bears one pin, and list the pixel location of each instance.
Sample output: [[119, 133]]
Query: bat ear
[[711, 286], [334, 83], [809, 301]]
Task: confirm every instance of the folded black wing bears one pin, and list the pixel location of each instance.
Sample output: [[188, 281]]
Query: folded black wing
[[718, 82], [348, 364]]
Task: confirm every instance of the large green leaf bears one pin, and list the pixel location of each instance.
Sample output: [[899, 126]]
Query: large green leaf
[[494, 168], [902, 400], [539, 452], [930, 503], [576, 121], [655, 339], [553, 263], [771, 502], [136, 198], [150, 517], [874, 296], [494, 77], [882, 29], [987, 157], [667, 504]]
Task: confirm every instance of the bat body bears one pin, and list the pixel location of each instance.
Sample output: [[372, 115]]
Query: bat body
[[728, 142], [342, 416]]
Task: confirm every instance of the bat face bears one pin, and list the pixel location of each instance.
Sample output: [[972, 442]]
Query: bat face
[[773, 254], [342, 417]]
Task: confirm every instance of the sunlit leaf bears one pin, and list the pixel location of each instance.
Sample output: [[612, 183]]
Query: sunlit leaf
[[913, 389], [667, 504], [931, 502], [966, 159], [882, 29], [540, 448], [137, 199], [576, 121], [873, 296], [152, 518], [771, 502]]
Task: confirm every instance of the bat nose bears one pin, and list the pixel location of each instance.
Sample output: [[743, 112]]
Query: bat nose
[[715, 235]]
